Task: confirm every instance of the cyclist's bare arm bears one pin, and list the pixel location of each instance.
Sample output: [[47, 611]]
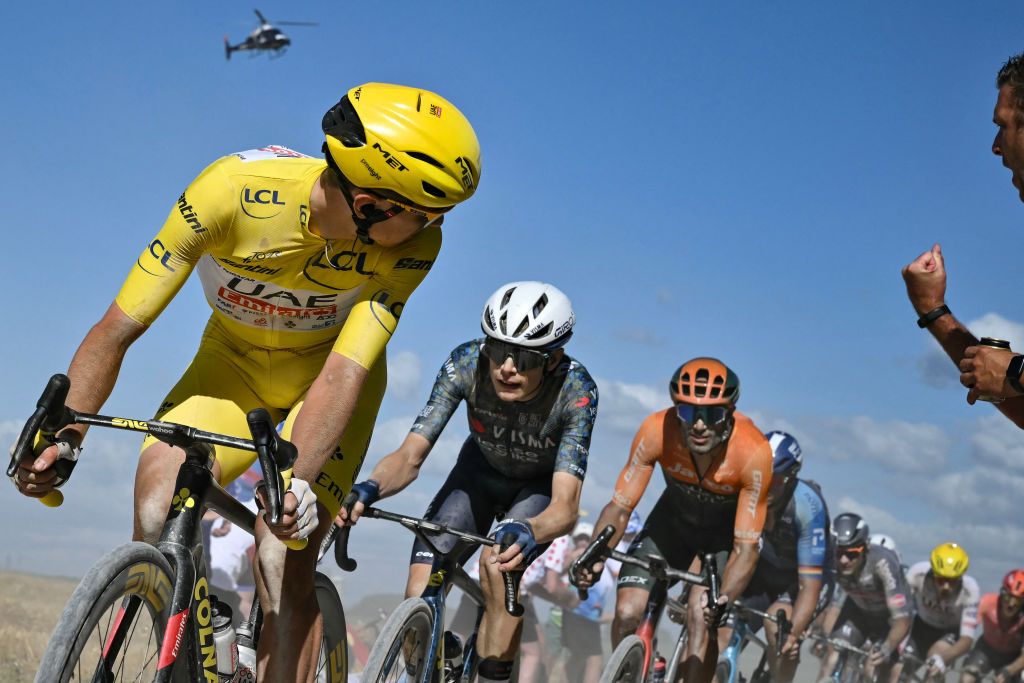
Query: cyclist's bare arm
[[806, 602], [617, 515], [325, 414], [557, 519], [898, 630], [395, 471], [93, 372], [739, 569]]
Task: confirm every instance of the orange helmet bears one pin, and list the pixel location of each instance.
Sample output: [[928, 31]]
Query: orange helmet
[[705, 382], [1013, 583]]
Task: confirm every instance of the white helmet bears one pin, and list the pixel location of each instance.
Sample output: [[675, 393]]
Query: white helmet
[[533, 314], [885, 542]]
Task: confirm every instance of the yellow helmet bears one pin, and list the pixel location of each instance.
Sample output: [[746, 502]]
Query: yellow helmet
[[404, 143], [949, 561]]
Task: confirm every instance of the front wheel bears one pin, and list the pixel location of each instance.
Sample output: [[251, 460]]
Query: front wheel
[[401, 651], [626, 665], [114, 621]]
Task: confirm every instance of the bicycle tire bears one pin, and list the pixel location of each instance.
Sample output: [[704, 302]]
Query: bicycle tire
[[626, 664], [723, 672], [412, 616], [134, 569], [332, 666]]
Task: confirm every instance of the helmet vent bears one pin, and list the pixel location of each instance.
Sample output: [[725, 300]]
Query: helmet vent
[[488, 317], [523, 326], [503, 323], [541, 304], [507, 297], [425, 157], [546, 330], [433, 190]]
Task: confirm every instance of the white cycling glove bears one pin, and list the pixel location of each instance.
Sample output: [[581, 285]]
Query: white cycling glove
[[306, 512], [938, 663]]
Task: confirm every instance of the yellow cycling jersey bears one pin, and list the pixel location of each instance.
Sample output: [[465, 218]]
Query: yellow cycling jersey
[[270, 281]]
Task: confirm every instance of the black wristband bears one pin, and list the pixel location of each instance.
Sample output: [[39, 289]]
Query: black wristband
[[932, 315], [1013, 372]]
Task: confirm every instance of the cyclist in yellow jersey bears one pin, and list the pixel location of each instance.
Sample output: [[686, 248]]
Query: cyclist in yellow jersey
[[307, 265]]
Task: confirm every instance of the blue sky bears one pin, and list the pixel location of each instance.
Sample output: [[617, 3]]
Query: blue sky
[[739, 179]]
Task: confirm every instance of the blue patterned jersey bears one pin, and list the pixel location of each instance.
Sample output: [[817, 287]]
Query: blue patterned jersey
[[800, 537], [521, 439]]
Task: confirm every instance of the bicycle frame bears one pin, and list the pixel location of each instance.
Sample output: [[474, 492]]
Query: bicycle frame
[[742, 633], [181, 543]]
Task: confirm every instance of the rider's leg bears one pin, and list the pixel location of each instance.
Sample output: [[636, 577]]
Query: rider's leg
[[498, 637], [213, 395], [629, 610], [292, 625]]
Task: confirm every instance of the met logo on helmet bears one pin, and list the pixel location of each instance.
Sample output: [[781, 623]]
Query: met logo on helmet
[[389, 158], [467, 174]]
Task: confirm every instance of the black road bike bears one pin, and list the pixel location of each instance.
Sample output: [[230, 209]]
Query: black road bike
[[143, 612]]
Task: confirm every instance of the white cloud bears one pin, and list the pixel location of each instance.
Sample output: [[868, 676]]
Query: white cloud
[[624, 405], [405, 372], [997, 441], [900, 445]]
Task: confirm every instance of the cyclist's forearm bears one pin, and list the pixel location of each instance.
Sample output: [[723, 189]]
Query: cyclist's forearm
[[897, 632], [559, 517], [97, 362], [1017, 665], [806, 602], [325, 414], [616, 515], [739, 569], [960, 647], [397, 470]]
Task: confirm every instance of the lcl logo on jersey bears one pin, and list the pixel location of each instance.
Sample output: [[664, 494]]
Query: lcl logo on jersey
[[260, 203]]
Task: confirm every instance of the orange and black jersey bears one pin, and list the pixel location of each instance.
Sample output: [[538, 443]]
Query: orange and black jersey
[[731, 495]]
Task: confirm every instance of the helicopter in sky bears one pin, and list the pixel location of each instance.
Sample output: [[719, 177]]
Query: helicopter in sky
[[265, 38]]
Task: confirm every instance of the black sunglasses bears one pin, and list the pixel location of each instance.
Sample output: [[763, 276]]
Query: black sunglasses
[[522, 358]]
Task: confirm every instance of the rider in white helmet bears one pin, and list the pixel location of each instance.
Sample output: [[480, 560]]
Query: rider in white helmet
[[531, 411]]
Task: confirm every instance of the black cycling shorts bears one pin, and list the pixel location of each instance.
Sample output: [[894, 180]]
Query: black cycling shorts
[[663, 535], [474, 496], [982, 659], [924, 635]]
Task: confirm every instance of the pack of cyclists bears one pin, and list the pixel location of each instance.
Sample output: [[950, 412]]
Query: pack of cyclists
[[307, 265]]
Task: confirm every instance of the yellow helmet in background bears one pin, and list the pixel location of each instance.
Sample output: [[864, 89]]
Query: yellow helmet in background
[[949, 561], [404, 143]]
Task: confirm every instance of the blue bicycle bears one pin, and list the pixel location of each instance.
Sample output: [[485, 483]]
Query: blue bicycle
[[743, 633]]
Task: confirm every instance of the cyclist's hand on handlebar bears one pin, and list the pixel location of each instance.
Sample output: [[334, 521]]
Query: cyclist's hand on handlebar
[[713, 613], [38, 477], [585, 577], [363, 495], [791, 648], [521, 553], [879, 654], [298, 512]]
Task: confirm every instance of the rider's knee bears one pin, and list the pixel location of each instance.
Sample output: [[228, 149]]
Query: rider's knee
[[629, 612]]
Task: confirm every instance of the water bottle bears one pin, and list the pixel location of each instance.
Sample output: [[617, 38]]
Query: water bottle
[[658, 671], [224, 640], [452, 657], [246, 649]]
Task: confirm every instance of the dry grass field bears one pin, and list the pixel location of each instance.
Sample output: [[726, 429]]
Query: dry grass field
[[29, 609]]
